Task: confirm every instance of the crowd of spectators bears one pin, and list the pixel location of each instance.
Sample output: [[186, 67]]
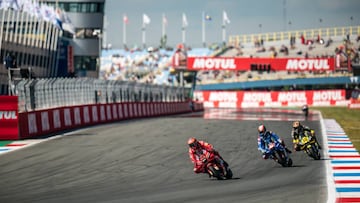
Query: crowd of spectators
[[345, 48]]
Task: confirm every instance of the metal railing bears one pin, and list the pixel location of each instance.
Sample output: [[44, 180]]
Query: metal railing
[[36, 94], [308, 34]]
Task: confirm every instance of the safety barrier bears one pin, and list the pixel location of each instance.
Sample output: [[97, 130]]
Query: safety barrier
[[51, 121]]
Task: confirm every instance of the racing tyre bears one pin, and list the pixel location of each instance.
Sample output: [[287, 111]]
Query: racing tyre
[[315, 152], [229, 174], [290, 162]]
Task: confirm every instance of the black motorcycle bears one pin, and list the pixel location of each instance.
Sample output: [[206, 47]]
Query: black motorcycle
[[279, 154], [307, 143]]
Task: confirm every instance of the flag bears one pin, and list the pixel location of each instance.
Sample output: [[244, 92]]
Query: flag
[[59, 18], [146, 19], [226, 19], [184, 21], [125, 19], [34, 9], [208, 17], [9, 4], [67, 24]]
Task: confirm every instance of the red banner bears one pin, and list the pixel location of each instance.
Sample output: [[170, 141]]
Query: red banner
[[9, 118], [48, 121], [243, 99], [260, 64]]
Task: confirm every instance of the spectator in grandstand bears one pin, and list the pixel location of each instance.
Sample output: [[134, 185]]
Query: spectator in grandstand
[[284, 50], [320, 40], [260, 49], [347, 36], [273, 51], [180, 56], [329, 42], [256, 43], [306, 55], [292, 42], [302, 38]]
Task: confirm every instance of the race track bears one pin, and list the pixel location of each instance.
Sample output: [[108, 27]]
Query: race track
[[146, 160]]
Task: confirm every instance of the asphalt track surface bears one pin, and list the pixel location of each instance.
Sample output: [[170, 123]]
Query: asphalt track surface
[[147, 160]]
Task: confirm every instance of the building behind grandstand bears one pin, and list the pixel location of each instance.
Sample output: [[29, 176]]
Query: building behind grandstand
[[49, 38]]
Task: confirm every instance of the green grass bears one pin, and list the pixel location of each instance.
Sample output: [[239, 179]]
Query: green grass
[[349, 120], [4, 143]]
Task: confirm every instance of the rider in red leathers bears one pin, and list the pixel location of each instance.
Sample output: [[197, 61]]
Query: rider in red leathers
[[196, 149]]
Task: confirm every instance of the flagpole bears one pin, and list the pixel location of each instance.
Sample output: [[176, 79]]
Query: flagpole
[[143, 31], [184, 24], [163, 25], [124, 30], [203, 29], [223, 29], [143, 35], [183, 34]]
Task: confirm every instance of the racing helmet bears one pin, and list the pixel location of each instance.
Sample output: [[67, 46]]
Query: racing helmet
[[296, 124], [193, 143], [261, 129]]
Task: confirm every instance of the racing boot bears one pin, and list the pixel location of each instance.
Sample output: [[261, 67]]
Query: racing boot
[[288, 150]]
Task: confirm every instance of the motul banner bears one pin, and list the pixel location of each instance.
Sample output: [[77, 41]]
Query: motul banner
[[243, 99], [262, 64], [9, 118]]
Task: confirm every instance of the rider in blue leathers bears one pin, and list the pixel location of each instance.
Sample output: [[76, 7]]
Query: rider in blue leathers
[[266, 137]]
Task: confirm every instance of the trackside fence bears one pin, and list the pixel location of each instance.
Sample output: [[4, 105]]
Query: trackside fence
[[38, 94]]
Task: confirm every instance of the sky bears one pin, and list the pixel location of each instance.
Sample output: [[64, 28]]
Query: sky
[[246, 17]]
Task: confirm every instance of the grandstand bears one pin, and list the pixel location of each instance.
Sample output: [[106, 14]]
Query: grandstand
[[155, 65]]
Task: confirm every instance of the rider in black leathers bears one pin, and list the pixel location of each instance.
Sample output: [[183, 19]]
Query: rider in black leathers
[[299, 129]]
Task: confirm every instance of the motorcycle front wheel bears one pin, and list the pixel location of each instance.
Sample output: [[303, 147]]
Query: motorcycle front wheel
[[315, 152], [229, 174], [215, 173]]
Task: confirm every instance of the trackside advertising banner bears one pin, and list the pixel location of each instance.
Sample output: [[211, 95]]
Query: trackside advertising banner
[[48, 121], [9, 118], [273, 64], [243, 99]]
